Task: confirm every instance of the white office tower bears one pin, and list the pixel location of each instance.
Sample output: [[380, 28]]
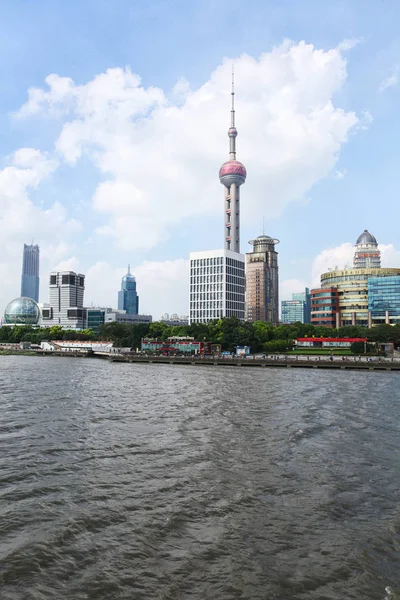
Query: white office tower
[[66, 301], [217, 285]]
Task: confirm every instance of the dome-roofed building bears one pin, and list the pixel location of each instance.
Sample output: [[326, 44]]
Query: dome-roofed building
[[367, 254], [366, 238], [22, 311]]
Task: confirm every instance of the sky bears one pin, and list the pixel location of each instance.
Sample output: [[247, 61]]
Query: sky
[[114, 119]]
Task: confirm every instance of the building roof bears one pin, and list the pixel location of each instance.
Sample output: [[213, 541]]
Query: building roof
[[366, 238]]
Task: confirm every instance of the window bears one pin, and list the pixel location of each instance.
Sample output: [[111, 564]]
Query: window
[[53, 279]]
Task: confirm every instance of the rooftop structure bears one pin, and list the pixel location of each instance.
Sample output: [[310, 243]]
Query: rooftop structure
[[367, 254]]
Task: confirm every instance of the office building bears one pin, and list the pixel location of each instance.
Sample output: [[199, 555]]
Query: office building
[[384, 300], [120, 316], [296, 310], [325, 307], [95, 318], [217, 280], [367, 254], [128, 300], [217, 285], [174, 319], [30, 272], [262, 281], [65, 301]]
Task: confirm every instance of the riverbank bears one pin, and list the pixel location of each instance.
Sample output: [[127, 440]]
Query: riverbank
[[362, 363]]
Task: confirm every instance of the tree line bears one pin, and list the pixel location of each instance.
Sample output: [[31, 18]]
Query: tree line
[[229, 332]]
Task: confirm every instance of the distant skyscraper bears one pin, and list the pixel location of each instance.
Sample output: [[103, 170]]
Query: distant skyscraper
[[262, 281], [30, 272], [66, 301], [128, 300], [298, 309], [367, 254]]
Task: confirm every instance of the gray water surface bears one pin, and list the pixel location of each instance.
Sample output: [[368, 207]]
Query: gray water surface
[[128, 481]]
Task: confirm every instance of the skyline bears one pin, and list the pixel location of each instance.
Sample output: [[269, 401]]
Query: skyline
[[105, 171]]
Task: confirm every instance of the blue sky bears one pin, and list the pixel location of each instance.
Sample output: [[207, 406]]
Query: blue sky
[[97, 194]]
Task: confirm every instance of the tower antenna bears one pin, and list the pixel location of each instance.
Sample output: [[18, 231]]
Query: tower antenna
[[233, 97]]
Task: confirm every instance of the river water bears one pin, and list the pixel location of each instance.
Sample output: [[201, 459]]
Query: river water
[[124, 481]]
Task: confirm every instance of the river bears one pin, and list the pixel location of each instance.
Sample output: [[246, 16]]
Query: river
[[131, 482]]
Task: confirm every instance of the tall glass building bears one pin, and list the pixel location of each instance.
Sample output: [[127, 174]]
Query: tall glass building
[[384, 299], [30, 273], [298, 309], [128, 299]]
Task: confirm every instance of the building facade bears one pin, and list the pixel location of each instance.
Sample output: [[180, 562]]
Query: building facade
[[298, 309], [95, 318], [174, 319], [65, 306], [325, 307], [30, 272], [128, 299], [120, 316], [384, 299], [352, 289], [367, 254], [262, 281], [217, 285]]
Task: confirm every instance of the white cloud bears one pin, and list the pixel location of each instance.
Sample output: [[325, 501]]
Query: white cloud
[[163, 286], [289, 286], [390, 81], [331, 258], [21, 220], [340, 174], [158, 156]]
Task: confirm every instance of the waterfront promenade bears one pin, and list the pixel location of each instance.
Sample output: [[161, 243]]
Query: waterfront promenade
[[277, 361]]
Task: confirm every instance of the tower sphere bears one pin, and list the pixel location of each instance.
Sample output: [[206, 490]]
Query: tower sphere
[[232, 172], [232, 132]]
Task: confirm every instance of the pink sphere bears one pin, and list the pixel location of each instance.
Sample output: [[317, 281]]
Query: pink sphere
[[232, 172]]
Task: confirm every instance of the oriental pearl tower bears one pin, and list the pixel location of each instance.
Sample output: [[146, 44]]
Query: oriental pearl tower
[[232, 174]]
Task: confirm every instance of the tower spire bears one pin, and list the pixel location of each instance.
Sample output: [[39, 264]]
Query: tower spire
[[232, 133], [129, 269], [233, 97]]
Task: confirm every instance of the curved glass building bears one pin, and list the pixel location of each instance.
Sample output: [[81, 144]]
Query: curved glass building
[[22, 311], [344, 297]]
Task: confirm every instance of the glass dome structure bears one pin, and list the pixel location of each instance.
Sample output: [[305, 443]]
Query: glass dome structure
[[22, 311]]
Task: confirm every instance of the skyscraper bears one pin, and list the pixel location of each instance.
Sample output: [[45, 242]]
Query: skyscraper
[[30, 272], [217, 280], [128, 300], [66, 301], [367, 254], [262, 281]]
